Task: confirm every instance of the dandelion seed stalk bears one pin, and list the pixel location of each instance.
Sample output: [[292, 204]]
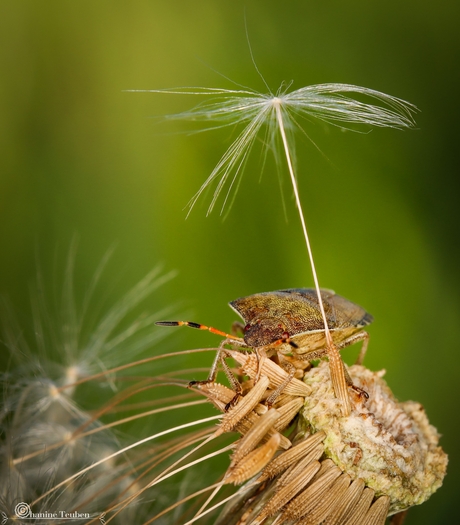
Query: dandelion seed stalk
[[335, 360]]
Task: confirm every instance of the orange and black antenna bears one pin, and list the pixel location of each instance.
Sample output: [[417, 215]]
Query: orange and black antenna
[[199, 326]]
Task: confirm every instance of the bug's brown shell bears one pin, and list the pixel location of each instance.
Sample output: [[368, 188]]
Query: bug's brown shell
[[271, 315]]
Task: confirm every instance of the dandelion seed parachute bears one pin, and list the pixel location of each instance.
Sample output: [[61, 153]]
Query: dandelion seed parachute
[[332, 103]]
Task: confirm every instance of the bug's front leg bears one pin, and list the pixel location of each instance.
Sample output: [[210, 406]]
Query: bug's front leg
[[318, 354], [219, 359], [361, 392], [360, 336]]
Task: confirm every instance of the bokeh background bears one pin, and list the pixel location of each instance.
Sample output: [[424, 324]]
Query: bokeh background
[[80, 157]]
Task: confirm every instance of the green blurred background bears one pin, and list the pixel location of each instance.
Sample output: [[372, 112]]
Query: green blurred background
[[79, 156]]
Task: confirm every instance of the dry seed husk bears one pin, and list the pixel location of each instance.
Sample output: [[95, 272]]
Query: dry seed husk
[[346, 503], [307, 500], [255, 435], [329, 500], [359, 511], [253, 462], [292, 472], [293, 455], [277, 375], [378, 511], [252, 419], [288, 412], [285, 493]]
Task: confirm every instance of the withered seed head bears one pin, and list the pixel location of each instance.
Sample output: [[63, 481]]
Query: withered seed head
[[356, 470]]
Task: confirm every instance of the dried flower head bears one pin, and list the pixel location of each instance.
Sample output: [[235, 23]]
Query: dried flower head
[[380, 460], [298, 460]]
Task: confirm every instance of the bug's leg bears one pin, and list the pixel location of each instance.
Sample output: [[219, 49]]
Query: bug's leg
[[213, 371], [357, 389], [231, 378], [236, 386], [360, 336], [217, 360], [318, 354], [348, 378], [311, 356], [261, 356], [220, 360], [362, 353], [353, 339]]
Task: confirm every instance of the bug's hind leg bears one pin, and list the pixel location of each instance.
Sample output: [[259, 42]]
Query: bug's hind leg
[[360, 336]]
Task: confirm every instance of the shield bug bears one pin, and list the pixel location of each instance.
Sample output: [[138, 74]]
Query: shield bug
[[290, 321]]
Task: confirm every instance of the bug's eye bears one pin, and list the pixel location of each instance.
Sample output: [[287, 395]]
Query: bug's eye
[[246, 328]]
